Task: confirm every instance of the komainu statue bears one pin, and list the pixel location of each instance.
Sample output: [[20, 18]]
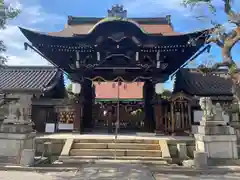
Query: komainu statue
[[207, 107]]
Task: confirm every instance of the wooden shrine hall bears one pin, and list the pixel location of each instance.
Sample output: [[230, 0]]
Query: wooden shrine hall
[[121, 50]]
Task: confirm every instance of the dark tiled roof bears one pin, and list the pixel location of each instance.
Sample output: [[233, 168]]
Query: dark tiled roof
[[195, 83], [30, 78]]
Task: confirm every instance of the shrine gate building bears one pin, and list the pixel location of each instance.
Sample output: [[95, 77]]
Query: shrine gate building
[[120, 52]]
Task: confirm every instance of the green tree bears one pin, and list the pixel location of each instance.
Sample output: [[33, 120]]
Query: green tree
[[7, 12], [225, 40], [69, 87], [69, 91], [166, 93]]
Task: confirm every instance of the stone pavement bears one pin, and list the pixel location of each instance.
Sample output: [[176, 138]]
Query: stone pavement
[[115, 172], [88, 172], [229, 176]]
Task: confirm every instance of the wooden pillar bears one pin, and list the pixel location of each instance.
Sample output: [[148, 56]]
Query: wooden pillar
[[110, 118], [189, 116], [172, 106], [159, 118], [148, 93], [77, 123]]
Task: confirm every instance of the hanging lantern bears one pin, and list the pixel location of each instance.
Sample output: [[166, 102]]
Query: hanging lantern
[[159, 88], [76, 88], [125, 86]]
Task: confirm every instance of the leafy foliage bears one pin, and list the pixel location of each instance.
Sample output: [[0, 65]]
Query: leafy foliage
[[193, 3], [224, 40], [166, 94], [69, 87], [219, 36], [7, 12]]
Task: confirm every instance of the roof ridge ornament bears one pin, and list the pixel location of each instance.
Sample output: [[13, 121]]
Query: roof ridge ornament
[[117, 11]]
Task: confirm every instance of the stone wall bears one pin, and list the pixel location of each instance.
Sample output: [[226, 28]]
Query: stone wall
[[57, 145]]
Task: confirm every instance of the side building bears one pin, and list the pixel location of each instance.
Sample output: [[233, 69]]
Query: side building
[[36, 83], [194, 84]]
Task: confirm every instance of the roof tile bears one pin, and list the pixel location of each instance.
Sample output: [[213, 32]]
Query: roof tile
[[195, 83], [69, 31], [26, 78]]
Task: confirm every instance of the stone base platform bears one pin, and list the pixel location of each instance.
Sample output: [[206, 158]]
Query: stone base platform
[[16, 128], [12, 145], [217, 146], [141, 148]]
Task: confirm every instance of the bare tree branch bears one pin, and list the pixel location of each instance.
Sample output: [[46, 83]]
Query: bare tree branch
[[216, 41], [225, 41]]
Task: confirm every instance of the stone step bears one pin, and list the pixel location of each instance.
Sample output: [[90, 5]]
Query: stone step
[[111, 152], [116, 146], [141, 141], [111, 159]]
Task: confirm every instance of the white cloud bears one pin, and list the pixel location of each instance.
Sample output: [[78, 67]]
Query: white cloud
[[31, 15], [135, 7], [32, 59], [14, 40], [165, 7], [35, 14]]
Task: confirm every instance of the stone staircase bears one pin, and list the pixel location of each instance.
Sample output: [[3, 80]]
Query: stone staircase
[[106, 150]]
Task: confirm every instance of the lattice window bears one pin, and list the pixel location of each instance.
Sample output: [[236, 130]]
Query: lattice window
[[66, 117]]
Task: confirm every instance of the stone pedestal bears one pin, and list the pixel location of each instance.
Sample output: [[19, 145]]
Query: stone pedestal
[[182, 150], [200, 159], [214, 136], [16, 128], [14, 139], [27, 157], [235, 123], [216, 141]]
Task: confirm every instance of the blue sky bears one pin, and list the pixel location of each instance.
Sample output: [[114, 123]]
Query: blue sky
[[51, 15]]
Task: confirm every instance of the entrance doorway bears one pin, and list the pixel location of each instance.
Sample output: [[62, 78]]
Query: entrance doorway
[[105, 117], [117, 106]]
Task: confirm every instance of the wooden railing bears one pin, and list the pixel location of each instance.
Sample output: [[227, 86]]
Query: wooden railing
[[174, 115]]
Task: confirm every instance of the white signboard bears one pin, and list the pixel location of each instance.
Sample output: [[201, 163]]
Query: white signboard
[[64, 126], [50, 128]]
